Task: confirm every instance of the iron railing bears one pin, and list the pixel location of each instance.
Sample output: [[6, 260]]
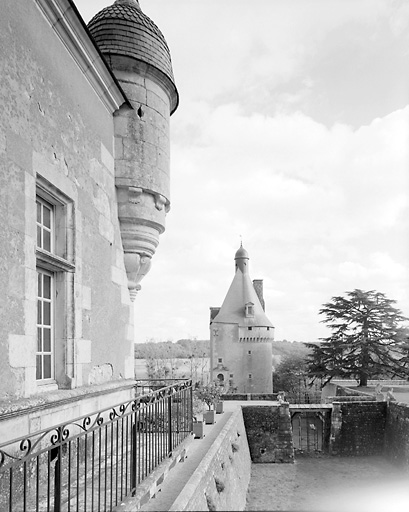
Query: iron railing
[[93, 462], [145, 386]]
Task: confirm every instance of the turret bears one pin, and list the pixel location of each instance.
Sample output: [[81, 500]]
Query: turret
[[138, 55]]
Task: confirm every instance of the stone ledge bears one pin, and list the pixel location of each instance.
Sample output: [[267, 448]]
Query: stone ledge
[[12, 407]]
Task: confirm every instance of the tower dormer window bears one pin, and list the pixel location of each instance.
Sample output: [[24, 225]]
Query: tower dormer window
[[249, 310]]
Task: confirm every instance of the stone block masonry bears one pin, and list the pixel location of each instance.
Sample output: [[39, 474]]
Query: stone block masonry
[[269, 433], [397, 433], [221, 480], [358, 428]]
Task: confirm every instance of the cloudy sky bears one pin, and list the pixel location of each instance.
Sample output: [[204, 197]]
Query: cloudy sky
[[292, 133]]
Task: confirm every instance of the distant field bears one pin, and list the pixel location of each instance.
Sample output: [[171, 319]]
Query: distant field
[[183, 370]]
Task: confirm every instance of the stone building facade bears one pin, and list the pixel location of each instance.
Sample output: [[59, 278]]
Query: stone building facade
[[241, 335], [84, 186]]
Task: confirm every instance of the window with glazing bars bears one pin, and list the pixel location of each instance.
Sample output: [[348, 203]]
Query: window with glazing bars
[[45, 338], [45, 294]]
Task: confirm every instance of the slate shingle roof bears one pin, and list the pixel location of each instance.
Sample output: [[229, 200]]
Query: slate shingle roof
[[123, 29]]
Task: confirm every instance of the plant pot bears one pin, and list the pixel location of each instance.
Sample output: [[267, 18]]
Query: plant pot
[[198, 429], [209, 417], [219, 408]]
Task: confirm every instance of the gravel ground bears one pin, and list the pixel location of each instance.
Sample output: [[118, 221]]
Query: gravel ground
[[330, 484]]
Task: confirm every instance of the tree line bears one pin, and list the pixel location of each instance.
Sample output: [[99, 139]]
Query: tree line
[[182, 349]]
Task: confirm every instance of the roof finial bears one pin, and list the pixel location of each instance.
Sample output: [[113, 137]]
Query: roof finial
[[241, 241], [132, 3]]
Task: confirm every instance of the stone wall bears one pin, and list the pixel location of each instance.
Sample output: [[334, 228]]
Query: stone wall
[[342, 391], [56, 141], [351, 398], [397, 433], [269, 433], [251, 396], [357, 428], [221, 480]]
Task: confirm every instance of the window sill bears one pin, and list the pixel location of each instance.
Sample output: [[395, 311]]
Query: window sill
[[49, 386]]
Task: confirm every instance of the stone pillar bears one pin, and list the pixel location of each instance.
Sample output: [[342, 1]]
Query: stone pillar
[[336, 425]]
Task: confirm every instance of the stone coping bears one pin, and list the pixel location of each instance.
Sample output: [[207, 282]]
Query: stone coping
[[15, 407], [192, 484], [310, 406]]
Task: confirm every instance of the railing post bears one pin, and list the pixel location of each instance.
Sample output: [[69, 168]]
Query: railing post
[[191, 406], [134, 462], [57, 473], [170, 447]]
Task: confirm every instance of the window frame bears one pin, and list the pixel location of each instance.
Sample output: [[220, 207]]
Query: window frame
[[40, 325], [249, 310], [59, 263]]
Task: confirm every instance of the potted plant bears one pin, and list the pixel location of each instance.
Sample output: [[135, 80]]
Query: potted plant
[[219, 407], [197, 423], [210, 394], [197, 428]]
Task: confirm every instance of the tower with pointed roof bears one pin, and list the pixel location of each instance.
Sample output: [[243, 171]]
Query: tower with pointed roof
[[241, 335]]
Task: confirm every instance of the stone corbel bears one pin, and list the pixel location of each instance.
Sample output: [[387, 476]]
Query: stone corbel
[[134, 194], [160, 201], [137, 266], [141, 215]]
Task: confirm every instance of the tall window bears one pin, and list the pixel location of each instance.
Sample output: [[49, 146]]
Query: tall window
[[45, 335], [45, 294], [54, 254]]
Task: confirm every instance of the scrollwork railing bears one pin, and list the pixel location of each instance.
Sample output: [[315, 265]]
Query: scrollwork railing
[[95, 461]]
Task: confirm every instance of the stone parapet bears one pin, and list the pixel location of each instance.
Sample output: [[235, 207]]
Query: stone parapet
[[397, 433], [357, 428], [221, 480]]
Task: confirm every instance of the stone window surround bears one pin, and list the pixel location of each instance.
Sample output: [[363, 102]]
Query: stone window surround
[[249, 309], [62, 266]]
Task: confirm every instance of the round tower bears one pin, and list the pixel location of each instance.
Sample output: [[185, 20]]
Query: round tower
[[138, 55], [241, 335]]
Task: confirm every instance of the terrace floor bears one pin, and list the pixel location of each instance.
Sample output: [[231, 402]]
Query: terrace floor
[[330, 484]]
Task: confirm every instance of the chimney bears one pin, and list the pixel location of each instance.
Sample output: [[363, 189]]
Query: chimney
[[213, 313], [258, 286]]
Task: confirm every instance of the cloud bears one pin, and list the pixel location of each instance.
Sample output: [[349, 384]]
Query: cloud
[[311, 203], [292, 131]]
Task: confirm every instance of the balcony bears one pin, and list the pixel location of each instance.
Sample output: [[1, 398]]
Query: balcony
[[96, 461]]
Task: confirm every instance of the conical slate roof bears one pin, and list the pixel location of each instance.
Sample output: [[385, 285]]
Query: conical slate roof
[[242, 292], [123, 29]]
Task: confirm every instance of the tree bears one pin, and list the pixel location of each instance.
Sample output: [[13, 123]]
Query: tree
[[368, 339], [290, 372], [210, 394]]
